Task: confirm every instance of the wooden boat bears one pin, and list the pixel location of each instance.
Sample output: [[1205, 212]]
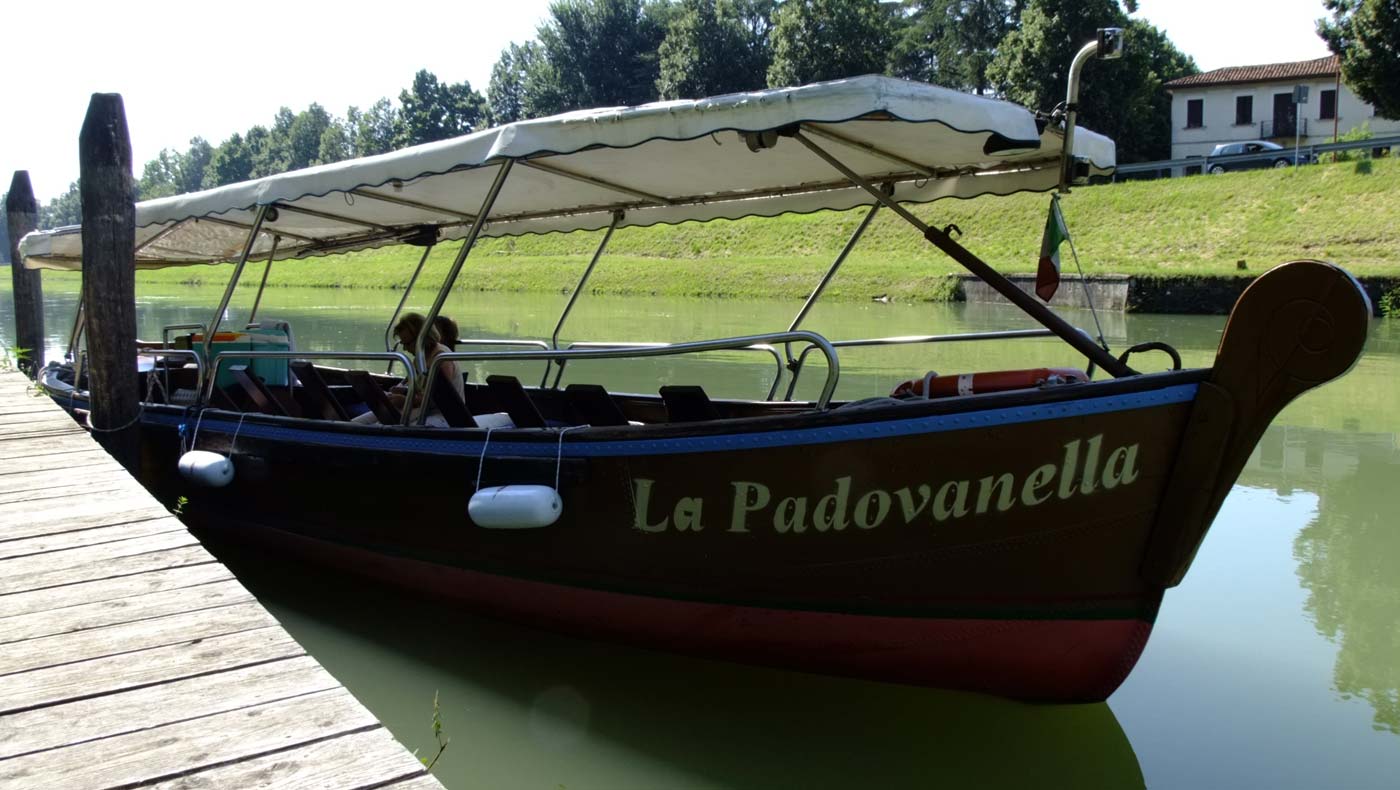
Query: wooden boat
[[1015, 542]]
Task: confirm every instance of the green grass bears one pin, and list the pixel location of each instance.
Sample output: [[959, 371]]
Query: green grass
[[1195, 226]]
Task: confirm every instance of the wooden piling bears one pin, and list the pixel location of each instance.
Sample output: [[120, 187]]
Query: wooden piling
[[22, 216], [109, 275]]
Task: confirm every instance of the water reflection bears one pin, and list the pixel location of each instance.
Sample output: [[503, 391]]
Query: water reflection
[[526, 708], [1349, 554]]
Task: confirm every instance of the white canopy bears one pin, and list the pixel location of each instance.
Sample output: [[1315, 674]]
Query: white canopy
[[665, 162]]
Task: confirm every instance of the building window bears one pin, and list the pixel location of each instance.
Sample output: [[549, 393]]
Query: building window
[[1328, 105], [1244, 110], [1194, 113]]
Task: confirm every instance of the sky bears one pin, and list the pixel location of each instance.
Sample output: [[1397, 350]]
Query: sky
[[188, 69]]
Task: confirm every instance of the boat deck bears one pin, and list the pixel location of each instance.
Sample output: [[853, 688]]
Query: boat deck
[[130, 657]]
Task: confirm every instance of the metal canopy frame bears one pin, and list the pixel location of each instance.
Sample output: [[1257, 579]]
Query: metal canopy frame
[[941, 239], [420, 354], [573, 297]]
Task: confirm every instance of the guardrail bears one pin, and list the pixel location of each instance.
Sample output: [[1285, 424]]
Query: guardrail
[[833, 372], [1311, 152]]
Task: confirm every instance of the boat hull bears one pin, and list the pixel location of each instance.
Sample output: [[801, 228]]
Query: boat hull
[[991, 544]]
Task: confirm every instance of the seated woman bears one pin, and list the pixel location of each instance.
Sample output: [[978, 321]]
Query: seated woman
[[407, 330]]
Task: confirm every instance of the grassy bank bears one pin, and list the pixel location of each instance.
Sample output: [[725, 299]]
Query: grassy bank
[[1341, 212]]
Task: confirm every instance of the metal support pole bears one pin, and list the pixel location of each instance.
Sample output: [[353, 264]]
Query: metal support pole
[[257, 300], [420, 356], [888, 189], [233, 281], [1108, 46], [578, 289], [977, 266], [77, 333], [393, 319]]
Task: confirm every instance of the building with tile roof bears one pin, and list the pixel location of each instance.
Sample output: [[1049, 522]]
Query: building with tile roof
[[1238, 103]]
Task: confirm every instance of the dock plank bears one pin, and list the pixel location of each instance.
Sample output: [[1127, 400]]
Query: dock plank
[[350, 762], [77, 459], [81, 477], [52, 622], [130, 637], [61, 541], [130, 657], [41, 569], [84, 593], [122, 566], [115, 716], [66, 682]]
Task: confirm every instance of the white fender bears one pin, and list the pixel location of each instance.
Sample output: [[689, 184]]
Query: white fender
[[515, 507], [207, 469]]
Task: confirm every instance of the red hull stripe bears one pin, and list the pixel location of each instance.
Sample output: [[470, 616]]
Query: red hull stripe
[[1052, 660]]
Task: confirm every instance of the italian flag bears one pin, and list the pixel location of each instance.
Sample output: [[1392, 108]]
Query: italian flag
[[1047, 276]]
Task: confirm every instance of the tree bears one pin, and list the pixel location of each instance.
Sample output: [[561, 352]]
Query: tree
[[707, 51], [1123, 99], [816, 40], [66, 209], [603, 52], [190, 175], [921, 44], [505, 93], [270, 148], [373, 131], [334, 145], [1365, 36], [304, 136], [230, 163], [434, 110]]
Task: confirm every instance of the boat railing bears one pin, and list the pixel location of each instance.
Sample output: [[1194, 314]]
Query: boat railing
[[498, 341], [898, 340], [391, 356], [154, 353], [814, 340], [758, 347], [166, 330]]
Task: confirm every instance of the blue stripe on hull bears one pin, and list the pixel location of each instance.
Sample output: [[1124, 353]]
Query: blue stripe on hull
[[1181, 393]]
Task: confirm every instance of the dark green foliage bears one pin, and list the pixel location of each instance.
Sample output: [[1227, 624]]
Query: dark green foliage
[[1365, 34], [602, 52], [815, 40], [373, 131], [435, 110], [304, 136], [712, 48], [66, 209], [230, 164], [1123, 98], [952, 42]]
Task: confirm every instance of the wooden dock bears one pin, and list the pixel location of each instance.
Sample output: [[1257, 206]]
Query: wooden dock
[[130, 657]]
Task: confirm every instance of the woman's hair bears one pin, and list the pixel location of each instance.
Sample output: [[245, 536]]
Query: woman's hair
[[412, 324], [447, 331]]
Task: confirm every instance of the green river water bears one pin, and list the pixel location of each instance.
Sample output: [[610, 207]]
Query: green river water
[[1275, 664]]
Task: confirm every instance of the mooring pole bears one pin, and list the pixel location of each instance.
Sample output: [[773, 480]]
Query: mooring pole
[[109, 276], [21, 217]]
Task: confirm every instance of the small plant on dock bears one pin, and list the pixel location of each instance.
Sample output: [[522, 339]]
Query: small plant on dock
[[442, 740], [180, 502]]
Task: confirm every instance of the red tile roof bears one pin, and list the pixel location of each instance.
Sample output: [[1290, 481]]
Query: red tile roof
[[1269, 72]]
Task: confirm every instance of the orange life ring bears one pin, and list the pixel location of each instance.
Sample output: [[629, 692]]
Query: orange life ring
[[933, 385]]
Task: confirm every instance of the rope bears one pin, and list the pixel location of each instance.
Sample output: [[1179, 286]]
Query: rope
[[140, 410], [234, 441], [1084, 284], [481, 462], [559, 456]]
